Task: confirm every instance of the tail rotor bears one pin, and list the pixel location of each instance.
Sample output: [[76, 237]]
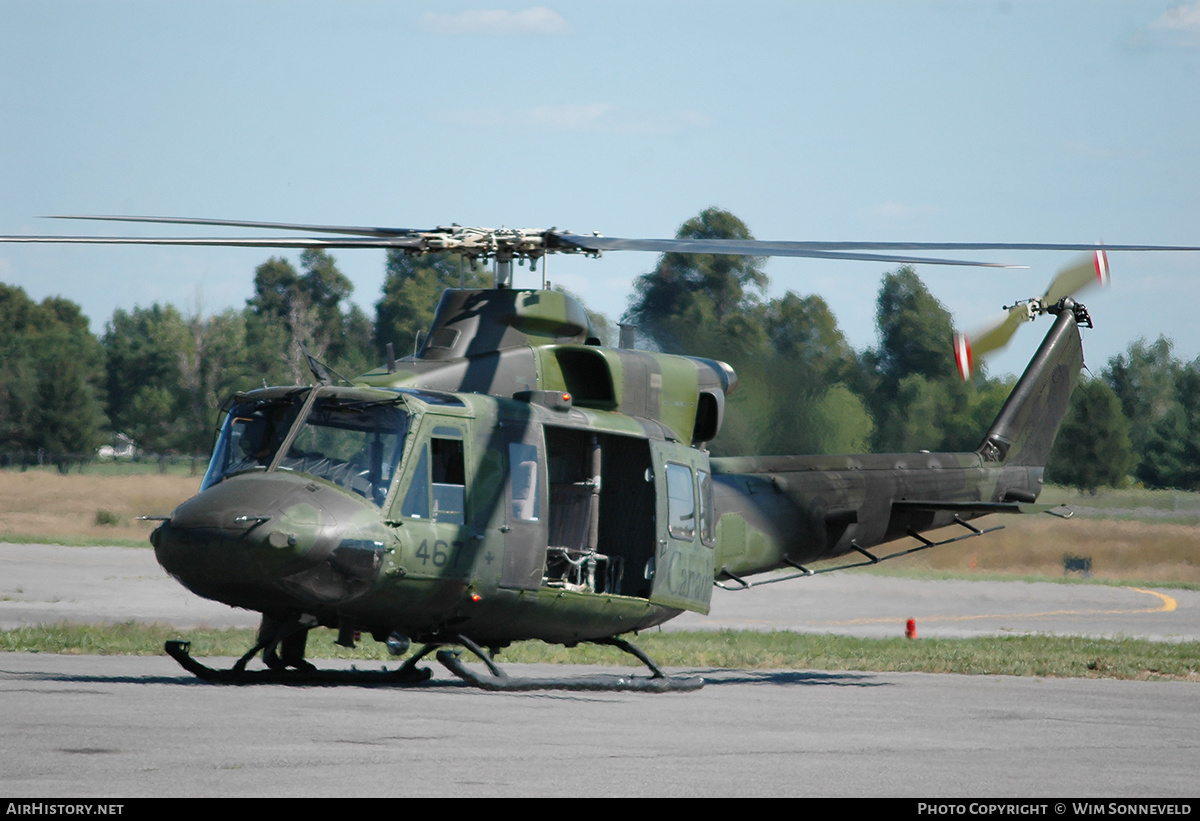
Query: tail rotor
[[968, 347]]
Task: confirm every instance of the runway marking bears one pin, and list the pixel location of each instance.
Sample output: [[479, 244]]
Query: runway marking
[[1166, 605]]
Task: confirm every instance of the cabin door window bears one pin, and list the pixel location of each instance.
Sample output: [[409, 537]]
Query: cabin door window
[[524, 508]]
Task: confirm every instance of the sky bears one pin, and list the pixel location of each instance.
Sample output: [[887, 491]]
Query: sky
[[918, 120]]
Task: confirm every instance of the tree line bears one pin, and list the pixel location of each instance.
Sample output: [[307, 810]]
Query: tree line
[[159, 374], [804, 389]]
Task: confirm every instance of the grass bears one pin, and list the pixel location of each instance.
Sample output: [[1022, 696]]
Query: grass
[[1122, 551], [1041, 656], [44, 506], [172, 466], [1131, 503]]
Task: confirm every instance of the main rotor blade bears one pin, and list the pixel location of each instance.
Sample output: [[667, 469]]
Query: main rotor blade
[[765, 248], [420, 242], [280, 226], [507, 243], [803, 248], [232, 242]]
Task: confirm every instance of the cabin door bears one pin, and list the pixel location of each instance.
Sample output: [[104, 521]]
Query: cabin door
[[433, 503], [683, 559], [525, 506]]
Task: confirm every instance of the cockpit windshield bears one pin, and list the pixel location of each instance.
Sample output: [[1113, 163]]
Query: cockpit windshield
[[251, 434], [353, 442]]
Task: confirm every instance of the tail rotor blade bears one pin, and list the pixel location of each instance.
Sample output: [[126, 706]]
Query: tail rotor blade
[[995, 335], [962, 355], [1090, 271]]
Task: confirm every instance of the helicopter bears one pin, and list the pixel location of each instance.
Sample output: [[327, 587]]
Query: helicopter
[[513, 479]]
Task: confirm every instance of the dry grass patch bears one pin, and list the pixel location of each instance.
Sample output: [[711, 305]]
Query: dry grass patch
[[73, 508], [1120, 549]]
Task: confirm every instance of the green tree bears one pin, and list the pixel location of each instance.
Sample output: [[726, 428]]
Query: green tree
[[1188, 392], [1093, 447], [18, 377], [168, 373], [914, 330], [412, 288], [1171, 452], [51, 378], [144, 350], [291, 307], [1144, 379], [707, 299], [803, 329], [795, 368], [214, 366], [916, 395], [807, 368]]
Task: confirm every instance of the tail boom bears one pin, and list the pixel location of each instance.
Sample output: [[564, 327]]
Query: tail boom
[[787, 510]]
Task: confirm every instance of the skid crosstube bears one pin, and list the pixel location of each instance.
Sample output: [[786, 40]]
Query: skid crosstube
[[408, 674]]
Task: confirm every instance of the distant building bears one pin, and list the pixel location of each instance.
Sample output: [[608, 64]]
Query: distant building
[[122, 447]]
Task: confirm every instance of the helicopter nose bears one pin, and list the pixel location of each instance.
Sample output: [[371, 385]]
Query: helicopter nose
[[273, 541]]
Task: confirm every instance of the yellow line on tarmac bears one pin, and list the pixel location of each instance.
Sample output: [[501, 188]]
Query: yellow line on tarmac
[[1166, 605]]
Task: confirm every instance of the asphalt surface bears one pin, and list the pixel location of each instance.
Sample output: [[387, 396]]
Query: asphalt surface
[[45, 583], [125, 727]]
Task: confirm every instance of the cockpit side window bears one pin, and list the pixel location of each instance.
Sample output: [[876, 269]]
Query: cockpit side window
[[416, 501], [437, 490]]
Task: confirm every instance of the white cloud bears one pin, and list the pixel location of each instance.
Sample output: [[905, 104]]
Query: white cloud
[[1177, 27], [1180, 18], [536, 20]]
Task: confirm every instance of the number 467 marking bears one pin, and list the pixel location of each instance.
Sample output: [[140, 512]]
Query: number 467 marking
[[440, 553]]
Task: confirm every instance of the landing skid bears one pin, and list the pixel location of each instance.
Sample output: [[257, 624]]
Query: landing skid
[[658, 682], [409, 674]]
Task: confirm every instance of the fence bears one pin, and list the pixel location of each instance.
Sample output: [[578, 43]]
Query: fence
[[140, 462]]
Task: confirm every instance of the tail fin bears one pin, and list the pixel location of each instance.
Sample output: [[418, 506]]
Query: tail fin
[[1024, 431]]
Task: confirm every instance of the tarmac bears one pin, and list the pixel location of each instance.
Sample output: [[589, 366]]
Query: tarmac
[[123, 727]]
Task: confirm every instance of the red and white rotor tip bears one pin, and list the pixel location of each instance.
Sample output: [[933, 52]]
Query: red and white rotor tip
[[962, 355], [1100, 260]]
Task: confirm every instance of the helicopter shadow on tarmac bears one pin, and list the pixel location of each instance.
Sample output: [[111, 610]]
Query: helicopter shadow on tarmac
[[713, 677]]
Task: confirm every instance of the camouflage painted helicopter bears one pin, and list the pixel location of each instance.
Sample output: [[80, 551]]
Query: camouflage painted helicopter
[[515, 480]]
